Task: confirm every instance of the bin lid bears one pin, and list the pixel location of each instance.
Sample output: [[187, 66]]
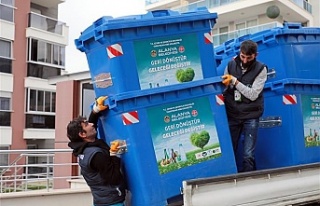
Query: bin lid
[[151, 18], [268, 36]]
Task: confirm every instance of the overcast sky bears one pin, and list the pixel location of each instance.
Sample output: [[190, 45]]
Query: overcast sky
[[80, 14]]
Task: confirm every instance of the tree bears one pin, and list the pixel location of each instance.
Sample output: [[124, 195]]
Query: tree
[[200, 140]]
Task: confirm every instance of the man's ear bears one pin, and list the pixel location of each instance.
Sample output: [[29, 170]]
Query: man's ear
[[82, 134]]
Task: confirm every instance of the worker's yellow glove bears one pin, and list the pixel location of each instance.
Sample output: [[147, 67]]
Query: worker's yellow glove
[[114, 148], [99, 104], [228, 79]]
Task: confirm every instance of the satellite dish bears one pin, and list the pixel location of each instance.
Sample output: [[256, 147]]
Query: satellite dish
[[273, 12]]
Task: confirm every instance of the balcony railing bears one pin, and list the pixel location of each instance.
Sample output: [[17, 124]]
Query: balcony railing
[[22, 175], [45, 23], [216, 3], [223, 37]]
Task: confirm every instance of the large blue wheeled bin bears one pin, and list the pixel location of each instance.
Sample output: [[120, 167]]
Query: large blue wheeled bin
[[291, 51], [147, 51], [289, 131], [164, 99]]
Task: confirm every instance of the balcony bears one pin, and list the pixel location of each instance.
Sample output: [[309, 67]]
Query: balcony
[[48, 3], [46, 28], [219, 39], [217, 3], [45, 23]]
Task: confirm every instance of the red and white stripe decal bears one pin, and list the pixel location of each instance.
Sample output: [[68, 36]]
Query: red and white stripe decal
[[130, 118], [208, 39], [289, 99], [114, 50], [220, 99]]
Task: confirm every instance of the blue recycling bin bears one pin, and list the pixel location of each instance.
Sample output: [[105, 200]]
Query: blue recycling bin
[[156, 49], [172, 134], [289, 132], [291, 51]]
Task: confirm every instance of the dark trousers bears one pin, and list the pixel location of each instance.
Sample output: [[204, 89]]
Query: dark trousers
[[249, 129]]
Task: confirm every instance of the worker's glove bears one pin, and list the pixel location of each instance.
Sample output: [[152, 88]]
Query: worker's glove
[[228, 79], [99, 104], [115, 148]]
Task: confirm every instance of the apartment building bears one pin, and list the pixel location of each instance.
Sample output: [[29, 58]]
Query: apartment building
[[32, 49], [240, 17]]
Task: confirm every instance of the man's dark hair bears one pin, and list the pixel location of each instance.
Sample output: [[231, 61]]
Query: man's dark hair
[[74, 128], [248, 47]]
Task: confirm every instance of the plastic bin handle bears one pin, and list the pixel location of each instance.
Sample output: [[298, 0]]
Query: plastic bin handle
[[111, 102], [277, 86], [160, 13]]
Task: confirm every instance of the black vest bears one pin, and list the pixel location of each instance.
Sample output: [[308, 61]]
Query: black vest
[[103, 194], [245, 109]]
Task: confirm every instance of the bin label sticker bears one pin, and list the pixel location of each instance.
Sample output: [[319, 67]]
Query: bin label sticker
[[130, 118], [168, 61], [289, 99], [183, 134], [311, 119], [114, 50], [220, 99], [208, 38]]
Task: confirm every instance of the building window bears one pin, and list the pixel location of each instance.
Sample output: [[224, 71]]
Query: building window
[[5, 111], [40, 121], [5, 49], [41, 101], [223, 34], [40, 109], [6, 10], [4, 158], [5, 57], [42, 71], [88, 96], [47, 53]]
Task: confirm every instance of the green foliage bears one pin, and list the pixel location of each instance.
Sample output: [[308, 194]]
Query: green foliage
[[200, 140], [185, 75]]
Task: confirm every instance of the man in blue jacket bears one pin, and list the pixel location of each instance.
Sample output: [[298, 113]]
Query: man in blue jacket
[[100, 165], [245, 78]]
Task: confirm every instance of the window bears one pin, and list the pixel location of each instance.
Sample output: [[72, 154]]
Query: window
[[223, 34], [40, 109], [4, 158], [5, 111], [6, 10], [44, 52], [5, 49], [5, 56], [41, 101], [42, 71], [88, 96], [40, 121]]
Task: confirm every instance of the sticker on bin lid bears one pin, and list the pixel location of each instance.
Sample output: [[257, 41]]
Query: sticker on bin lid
[[208, 38], [103, 80], [289, 99], [130, 118], [220, 99], [114, 50]]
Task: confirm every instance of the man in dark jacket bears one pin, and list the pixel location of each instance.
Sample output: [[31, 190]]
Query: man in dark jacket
[[245, 78], [100, 165]]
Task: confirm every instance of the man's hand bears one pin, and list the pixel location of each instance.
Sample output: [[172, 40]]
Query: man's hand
[[114, 148], [99, 104], [228, 79]]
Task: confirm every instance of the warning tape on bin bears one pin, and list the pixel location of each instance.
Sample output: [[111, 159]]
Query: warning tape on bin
[[114, 50], [208, 39], [130, 118], [289, 99], [220, 99]]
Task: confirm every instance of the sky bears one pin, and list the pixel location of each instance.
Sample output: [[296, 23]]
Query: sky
[[80, 14]]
